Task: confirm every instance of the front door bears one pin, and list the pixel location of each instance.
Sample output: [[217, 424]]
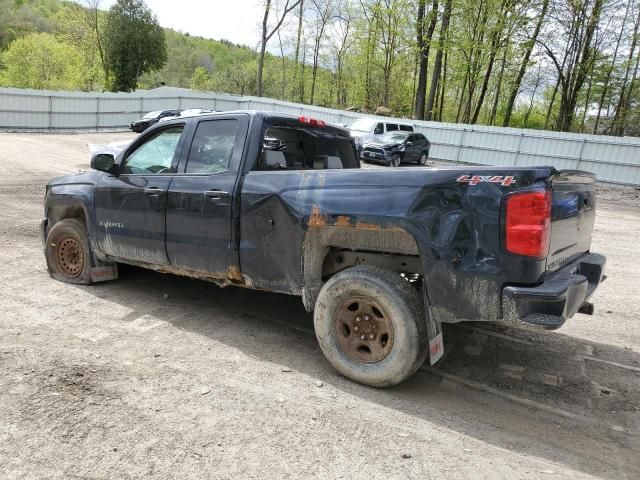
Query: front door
[[130, 206], [200, 197]]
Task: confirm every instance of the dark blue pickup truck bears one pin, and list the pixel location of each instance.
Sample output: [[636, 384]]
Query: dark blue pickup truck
[[384, 257]]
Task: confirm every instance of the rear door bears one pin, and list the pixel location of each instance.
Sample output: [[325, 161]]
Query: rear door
[[200, 197], [421, 143], [573, 210], [130, 207], [412, 148]]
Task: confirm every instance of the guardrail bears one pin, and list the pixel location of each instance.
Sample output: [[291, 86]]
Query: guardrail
[[612, 159]]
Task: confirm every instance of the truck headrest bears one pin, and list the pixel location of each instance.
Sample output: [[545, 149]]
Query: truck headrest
[[271, 158]]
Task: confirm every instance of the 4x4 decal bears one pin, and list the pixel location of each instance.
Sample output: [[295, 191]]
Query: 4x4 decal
[[476, 179]]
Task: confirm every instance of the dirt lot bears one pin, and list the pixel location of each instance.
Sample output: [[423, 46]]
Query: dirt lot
[[117, 381]]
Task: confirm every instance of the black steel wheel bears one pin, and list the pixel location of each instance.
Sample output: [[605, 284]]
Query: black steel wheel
[[370, 325], [68, 253]]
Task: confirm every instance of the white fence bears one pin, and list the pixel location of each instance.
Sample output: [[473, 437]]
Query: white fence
[[612, 159]]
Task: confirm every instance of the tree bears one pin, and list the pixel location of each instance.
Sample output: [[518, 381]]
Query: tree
[[77, 28], [322, 12], [582, 18], [528, 47], [424, 39], [134, 43], [435, 77], [91, 16], [267, 34], [41, 61], [624, 100], [200, 79]]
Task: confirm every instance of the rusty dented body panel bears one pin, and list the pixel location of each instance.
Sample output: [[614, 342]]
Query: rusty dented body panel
[[454, 230], [282, 224]]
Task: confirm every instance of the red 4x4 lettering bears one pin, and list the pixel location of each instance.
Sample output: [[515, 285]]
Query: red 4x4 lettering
[[476, 179]]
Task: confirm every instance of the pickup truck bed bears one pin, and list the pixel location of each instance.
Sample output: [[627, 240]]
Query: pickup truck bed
[[279, 203]]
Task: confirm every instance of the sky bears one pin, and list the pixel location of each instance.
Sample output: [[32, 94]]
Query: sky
[[234, 20]]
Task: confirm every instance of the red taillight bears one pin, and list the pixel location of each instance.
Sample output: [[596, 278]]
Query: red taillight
[[312, 121], [528, 223]]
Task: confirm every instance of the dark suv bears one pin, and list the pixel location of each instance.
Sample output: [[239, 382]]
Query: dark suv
[[152, 118], [394, 148]]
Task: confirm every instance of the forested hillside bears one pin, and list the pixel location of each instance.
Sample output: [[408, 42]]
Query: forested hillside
[[568, 65]]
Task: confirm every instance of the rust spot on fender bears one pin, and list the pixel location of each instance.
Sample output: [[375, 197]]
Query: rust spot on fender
[[233, 273], [343, 221], [317, 218], [367, 226]]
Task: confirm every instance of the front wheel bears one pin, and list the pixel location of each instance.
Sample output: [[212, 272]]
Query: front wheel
[[370, 326], [395, 161], [68, 253]]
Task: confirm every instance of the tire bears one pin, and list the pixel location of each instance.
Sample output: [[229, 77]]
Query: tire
[[398, 305], [424, 157], [68, 253], [395, 161]]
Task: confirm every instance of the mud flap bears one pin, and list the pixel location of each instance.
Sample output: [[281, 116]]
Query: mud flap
[[104, 273], [434, 331], [101, 271]]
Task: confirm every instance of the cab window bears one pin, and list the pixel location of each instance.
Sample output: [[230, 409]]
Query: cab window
[[155, 155], [291, 146], [379, 129], [392, 127], [212, 146]]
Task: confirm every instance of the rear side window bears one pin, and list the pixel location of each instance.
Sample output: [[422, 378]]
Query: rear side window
[[419, 137], [406, 128], [212, 146], [392, 127], [287, 147]]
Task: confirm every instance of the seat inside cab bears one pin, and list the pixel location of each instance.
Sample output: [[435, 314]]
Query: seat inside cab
[[295, 146]]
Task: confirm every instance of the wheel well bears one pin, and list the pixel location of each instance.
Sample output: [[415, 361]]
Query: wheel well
[[55, 214], [337, 259], [329, 250]]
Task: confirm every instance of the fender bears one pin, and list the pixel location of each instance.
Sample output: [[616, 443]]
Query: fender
[[73, 197], [357, 233]]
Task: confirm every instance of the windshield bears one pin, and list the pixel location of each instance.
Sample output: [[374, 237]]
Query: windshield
[[393, 137], [363, 125], [152, 114]]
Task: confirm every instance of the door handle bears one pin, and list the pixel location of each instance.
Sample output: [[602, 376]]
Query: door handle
[[215, 194], [153, 191]]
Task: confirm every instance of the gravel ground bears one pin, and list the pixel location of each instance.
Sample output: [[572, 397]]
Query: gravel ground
[[158, 376]]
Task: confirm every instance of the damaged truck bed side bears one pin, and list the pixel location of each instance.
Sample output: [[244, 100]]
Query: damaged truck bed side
[[383, 257]]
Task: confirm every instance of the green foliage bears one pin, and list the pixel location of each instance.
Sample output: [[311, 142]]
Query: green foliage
[[75, 29], [134, 43], [200, 80], [41, 61], [366, 56], [20, 17]]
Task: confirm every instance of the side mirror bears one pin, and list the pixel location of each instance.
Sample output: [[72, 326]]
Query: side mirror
[[105, 162], [409, 144]]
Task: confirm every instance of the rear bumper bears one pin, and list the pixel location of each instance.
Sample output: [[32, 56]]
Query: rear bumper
[[558, 298]]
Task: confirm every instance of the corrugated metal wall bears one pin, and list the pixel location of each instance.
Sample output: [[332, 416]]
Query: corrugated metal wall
[[612, 159]]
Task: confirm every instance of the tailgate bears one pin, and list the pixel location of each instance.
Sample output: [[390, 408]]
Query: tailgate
[[573, 211]]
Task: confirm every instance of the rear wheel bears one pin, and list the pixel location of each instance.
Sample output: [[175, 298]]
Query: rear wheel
[[370, 326], [68, 253], [423, 158]]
